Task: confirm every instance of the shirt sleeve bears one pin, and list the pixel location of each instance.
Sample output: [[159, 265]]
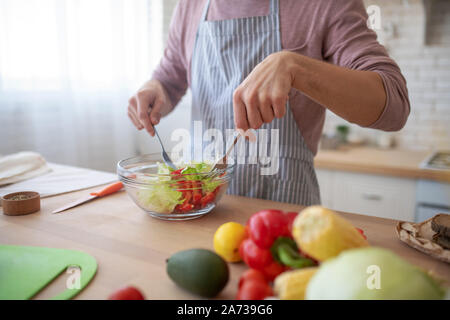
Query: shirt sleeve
[[348, 42], [172, 69]]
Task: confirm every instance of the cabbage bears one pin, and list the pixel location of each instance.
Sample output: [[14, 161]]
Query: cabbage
[[160, 198], [354, 273], [163, 168]]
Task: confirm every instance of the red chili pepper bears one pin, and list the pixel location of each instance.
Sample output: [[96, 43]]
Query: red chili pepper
[[362, 232]]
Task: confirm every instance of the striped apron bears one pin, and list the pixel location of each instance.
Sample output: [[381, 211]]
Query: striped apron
[[225, 52]]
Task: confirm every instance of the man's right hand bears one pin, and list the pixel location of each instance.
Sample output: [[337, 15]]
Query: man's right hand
[[148, 105]]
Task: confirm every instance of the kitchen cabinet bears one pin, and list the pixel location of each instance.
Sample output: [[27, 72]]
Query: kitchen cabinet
[[373, 195], [390, 183], [432, 197]]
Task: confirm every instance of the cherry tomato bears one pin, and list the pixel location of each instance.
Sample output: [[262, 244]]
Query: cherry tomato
[[127, 293], [185, 207], [175, 172], [187, 195], [254, 290], [252, 275], [208, 198], [216, 190], [197, 194]]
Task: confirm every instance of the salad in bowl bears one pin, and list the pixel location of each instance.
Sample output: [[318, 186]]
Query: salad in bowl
[[187, 192]]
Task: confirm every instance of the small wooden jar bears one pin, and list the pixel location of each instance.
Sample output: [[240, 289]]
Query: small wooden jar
[[21, 203]]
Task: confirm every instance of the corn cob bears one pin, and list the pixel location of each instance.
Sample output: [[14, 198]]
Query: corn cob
[[322, 234], [291, 285]]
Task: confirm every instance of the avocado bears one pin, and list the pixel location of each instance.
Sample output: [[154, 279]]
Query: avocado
[[199, 271]]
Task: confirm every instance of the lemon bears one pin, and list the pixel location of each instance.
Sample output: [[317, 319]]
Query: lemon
[[227, 240]]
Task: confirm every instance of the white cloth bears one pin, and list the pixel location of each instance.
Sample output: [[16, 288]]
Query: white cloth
[[21, 166], [62, 179]]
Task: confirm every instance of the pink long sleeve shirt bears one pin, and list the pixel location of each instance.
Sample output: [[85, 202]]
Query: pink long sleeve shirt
[[334, 31]]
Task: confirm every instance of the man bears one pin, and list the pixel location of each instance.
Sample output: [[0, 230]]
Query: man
[[275, 65]]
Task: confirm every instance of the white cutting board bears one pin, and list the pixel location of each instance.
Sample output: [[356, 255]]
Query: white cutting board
[[61, 179]]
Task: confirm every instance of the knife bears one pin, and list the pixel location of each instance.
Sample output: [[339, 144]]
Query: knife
[[109, 189]]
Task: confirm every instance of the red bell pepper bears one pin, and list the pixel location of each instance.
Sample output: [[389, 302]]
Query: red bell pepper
[[269, 247], [267, 225]]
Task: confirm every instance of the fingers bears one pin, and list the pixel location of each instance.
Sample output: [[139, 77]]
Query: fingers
[[265, 107], [132, 113], [252, 108], [254, 117], [144, 101], [240, 113], [279, 101], [148, 105], [155, 113]]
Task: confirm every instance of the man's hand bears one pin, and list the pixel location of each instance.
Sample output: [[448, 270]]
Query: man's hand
[[357, 96], [148, 105], [262, 96]]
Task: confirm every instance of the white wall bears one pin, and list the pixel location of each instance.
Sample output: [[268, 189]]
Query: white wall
[[180, 117], [426, 67]]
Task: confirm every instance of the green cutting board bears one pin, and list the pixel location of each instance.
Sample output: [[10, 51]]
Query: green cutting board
[[25, 271]]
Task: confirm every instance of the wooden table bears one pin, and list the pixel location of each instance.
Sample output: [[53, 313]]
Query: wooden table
[[131, 247]]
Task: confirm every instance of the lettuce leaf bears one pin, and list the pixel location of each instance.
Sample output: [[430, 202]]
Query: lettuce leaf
[[160, 198], [209, 185]]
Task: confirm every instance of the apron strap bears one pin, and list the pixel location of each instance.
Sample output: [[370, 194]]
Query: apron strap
[[205, 11], [274, 7]]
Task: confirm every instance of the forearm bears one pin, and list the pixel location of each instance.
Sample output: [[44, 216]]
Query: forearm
[[357, 96]]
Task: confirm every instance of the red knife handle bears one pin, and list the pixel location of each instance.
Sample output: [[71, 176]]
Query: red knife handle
[[116, 186]]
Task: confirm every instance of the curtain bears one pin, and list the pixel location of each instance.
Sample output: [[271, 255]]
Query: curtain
[[67, 69]]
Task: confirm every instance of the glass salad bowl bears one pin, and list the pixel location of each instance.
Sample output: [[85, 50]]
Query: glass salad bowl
[[186, 193]]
